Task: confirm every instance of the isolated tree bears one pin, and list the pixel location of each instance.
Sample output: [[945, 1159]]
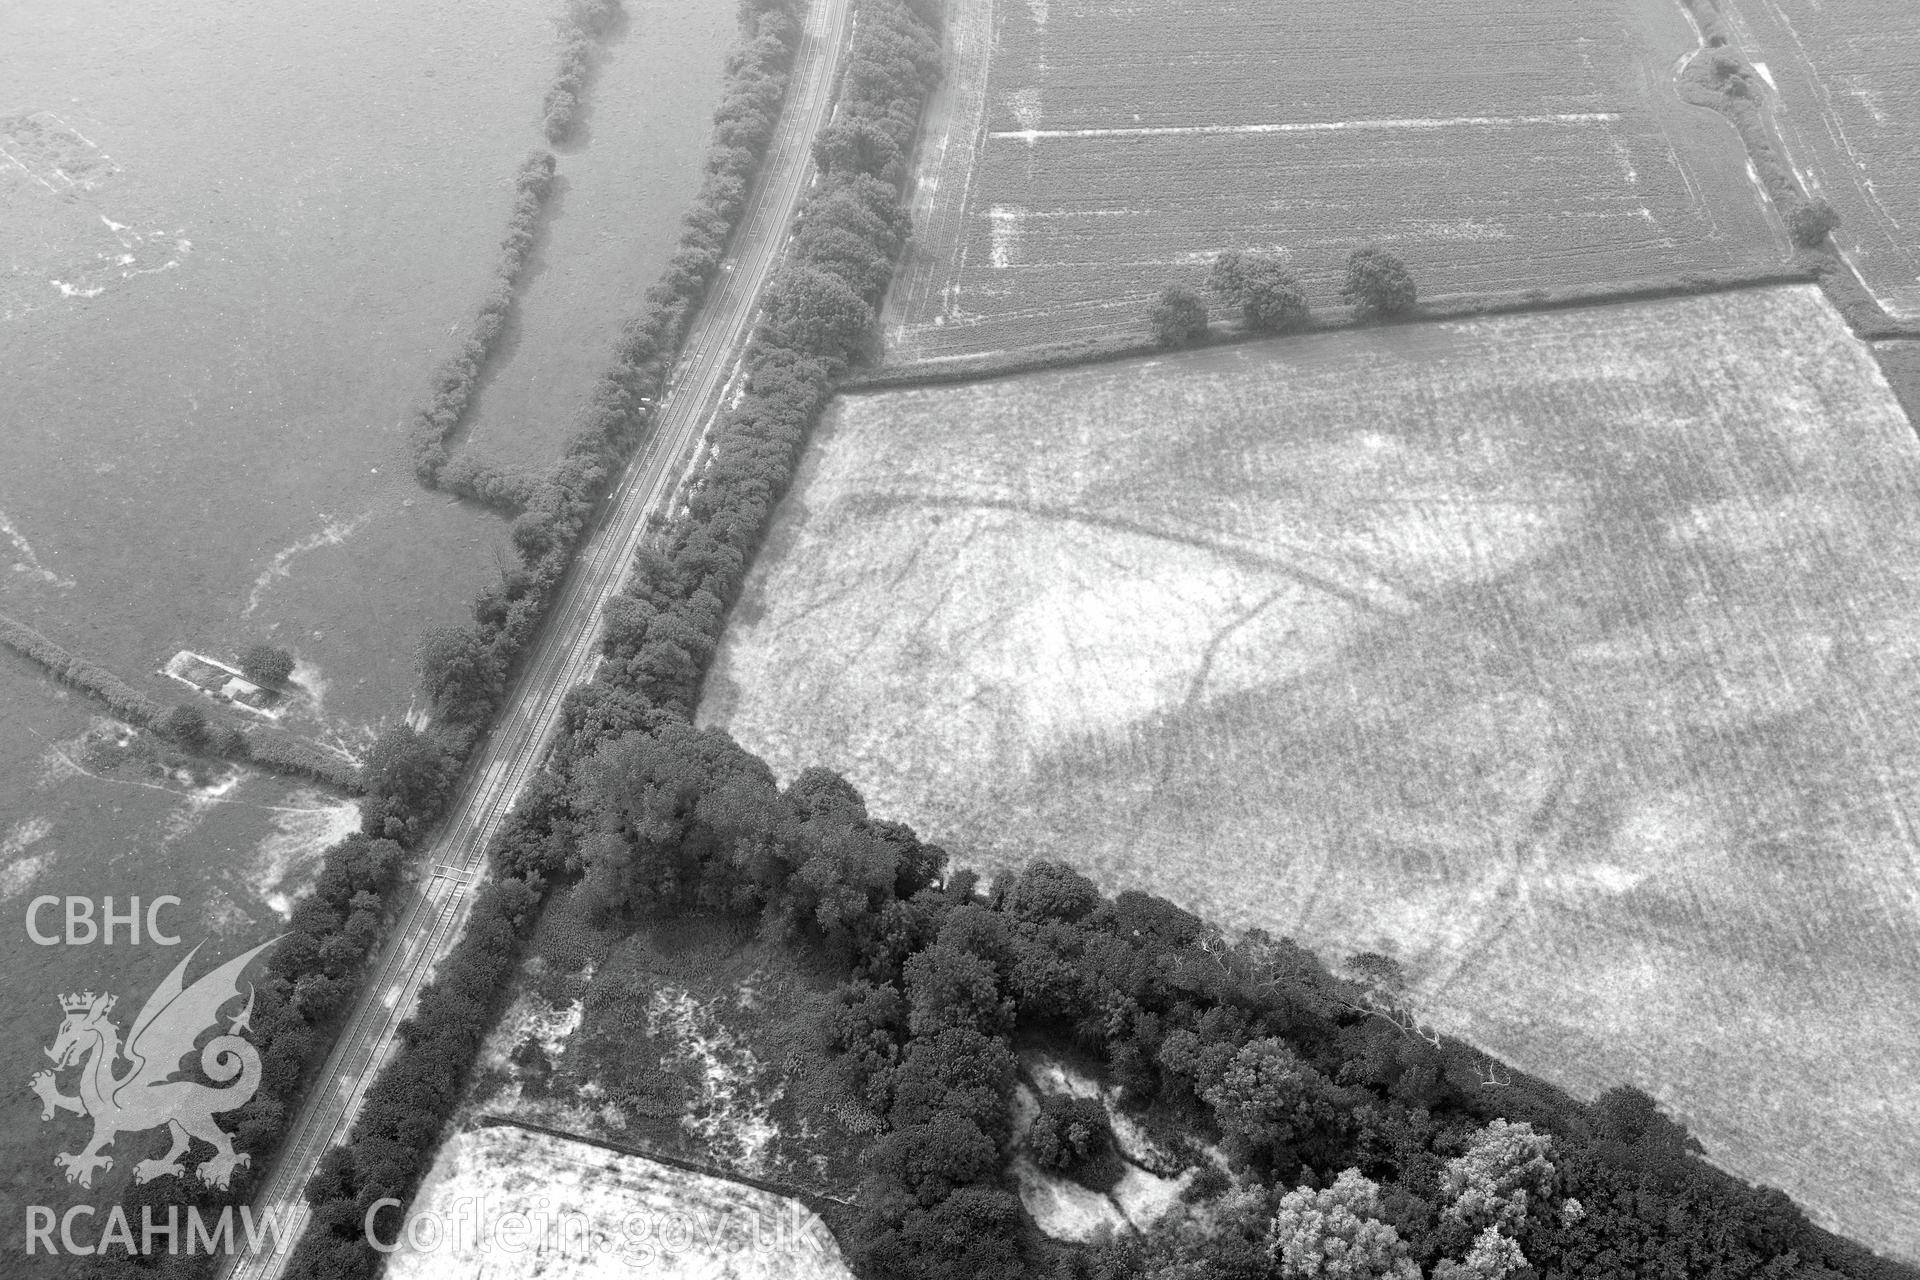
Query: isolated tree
[[1810, 222], [1073, 1136], [186, 725], [1178, 317], [1377, 283], [266, 664], [1268, 296]]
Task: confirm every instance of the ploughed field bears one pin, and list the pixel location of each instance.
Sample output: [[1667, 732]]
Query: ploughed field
[[1084, 154], [1568, 657], [1846, 102]]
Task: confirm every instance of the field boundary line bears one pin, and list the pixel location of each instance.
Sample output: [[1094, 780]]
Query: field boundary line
[[812, 1199], [961, 369], [1310, 126]]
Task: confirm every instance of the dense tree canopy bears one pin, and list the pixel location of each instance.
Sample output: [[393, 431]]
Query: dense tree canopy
[[1377, 284], [267, 665], [1259, 285], [1178, 317]]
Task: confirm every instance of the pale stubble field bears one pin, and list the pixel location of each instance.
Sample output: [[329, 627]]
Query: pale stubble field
[[1571, 658]]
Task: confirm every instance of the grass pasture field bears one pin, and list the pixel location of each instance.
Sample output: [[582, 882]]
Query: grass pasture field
[[1569, 657], [1083, 154], [1844, 101]]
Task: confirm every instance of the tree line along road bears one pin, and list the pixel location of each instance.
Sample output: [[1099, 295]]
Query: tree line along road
[[565, 653]]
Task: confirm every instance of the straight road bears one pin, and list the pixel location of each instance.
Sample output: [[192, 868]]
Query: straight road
[[565, 653]]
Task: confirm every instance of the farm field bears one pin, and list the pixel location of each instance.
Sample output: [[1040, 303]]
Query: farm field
[[1084, 154], [87, 809], [590, 1212], [202, 440], [1563, 656], [1845, 103]]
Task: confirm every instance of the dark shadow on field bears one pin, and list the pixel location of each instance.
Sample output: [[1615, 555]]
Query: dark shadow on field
[[1900, 362], [783, 534], [1695, 744], [1602, 723]]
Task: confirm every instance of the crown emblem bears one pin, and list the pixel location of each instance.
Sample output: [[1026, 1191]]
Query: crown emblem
[[83, 1001]]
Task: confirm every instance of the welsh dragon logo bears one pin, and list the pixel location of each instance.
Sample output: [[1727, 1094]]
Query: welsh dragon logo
[[146, 1095]]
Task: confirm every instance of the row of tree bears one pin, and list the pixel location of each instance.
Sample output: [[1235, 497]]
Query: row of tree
[[458, 377], [584, 25], [311, 975], [1270, 299], [464, 668], [818, 318], [186, 723]]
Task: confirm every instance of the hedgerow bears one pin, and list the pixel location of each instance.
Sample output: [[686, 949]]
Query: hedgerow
[[585, 24], [818, 319], [465, 669], [127, 702], [270, 748], [459, 376]]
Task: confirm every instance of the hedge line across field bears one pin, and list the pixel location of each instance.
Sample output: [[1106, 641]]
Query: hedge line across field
[[270, 748], [126, 701], [585, 24], [459, 377]]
